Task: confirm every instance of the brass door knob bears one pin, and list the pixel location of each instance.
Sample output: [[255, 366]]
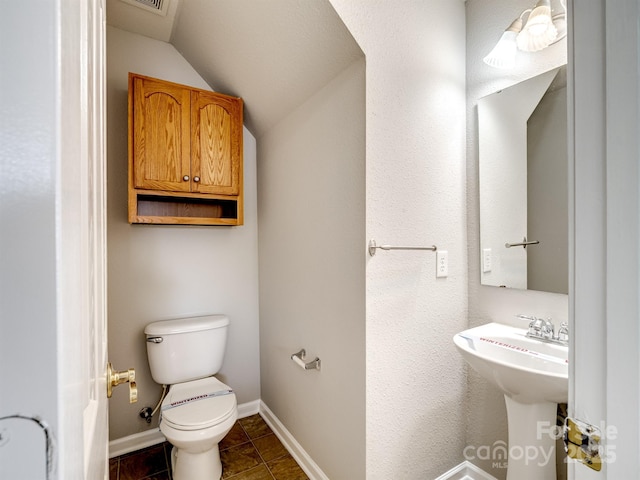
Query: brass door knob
[[115, 378], [133, 392]]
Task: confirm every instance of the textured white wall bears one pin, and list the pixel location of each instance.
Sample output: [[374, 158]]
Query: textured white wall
[[415, 195], [312, 272], [159, 272], [486, 20]]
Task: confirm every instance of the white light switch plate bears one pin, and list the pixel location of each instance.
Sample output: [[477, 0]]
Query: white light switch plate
[[486, 260], [442, 263]]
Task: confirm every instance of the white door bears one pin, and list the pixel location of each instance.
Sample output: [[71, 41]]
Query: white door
[[52, 240], [82, 233], [605, 235]]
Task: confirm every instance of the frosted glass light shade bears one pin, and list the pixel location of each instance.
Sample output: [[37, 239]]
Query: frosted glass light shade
[[504, 53], [539, 32]]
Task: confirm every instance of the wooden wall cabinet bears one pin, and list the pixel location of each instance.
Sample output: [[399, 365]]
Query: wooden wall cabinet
[[185, 154]]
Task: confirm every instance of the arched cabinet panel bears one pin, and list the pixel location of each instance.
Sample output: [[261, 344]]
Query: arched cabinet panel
[[161, 115], [216, 151]]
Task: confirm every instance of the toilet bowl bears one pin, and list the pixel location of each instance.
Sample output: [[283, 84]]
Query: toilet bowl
[[196, 415], [199, 410]]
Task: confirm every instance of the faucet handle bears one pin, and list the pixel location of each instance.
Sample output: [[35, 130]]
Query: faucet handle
[[563, 332], [548, 329], [529, 318], [536, 327]]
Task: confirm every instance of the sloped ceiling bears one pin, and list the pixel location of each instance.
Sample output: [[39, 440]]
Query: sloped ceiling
[[273, 53]]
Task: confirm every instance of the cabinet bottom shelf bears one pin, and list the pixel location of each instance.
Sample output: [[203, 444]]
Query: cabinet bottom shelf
[[152, 209]]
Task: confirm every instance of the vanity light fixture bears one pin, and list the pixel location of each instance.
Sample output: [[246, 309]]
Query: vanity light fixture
[[542, 28], [504, 53], [539, 31]]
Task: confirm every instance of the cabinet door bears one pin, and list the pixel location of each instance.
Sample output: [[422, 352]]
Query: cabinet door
[[161, 136], [216, 143]]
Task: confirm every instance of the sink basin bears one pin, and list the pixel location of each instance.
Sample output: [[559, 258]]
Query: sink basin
[[534, 377], [525, 369]]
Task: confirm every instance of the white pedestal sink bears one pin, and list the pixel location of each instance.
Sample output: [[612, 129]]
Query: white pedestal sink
[[533, 376]]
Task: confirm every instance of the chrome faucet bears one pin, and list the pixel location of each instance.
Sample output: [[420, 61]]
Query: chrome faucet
[[544, 330], [563, 333]]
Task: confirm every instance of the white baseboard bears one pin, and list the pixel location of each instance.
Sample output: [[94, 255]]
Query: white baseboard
[[466, 471], [138, 441], [310, 467], [248, 409], [134, 442]]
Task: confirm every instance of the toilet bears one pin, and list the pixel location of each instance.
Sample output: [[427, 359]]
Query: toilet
[[199, 409]]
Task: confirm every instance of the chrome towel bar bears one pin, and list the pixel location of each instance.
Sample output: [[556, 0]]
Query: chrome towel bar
[[522, 244], [373, 247]]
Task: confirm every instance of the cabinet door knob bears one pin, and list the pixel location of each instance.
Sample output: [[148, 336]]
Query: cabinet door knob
[[185, 178], [196, 179]]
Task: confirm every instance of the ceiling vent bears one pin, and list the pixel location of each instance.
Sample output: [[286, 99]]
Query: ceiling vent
[[158, 7]]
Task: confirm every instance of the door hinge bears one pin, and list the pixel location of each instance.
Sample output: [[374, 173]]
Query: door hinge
[[582, 443]]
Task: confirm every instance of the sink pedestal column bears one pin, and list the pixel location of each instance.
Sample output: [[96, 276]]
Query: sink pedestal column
[[532, 445]]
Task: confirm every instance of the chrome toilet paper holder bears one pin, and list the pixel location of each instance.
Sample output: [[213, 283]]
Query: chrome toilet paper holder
[[298, 358]]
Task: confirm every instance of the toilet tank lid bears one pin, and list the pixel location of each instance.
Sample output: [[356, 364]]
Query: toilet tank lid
[[185, 325]]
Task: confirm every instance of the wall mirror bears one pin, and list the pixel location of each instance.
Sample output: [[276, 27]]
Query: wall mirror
[[523, 184]]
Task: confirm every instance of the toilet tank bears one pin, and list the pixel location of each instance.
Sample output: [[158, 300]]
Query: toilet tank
[[185, 349]]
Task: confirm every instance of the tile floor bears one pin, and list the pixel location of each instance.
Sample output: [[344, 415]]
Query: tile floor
[[250, 451]]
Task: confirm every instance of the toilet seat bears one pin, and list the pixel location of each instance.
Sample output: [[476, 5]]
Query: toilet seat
[[198, 404]]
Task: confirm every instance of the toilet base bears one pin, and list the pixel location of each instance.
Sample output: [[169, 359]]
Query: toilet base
[[195, 454], [196, 466]]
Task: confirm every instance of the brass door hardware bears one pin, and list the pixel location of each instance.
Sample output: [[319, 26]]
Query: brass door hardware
[[582, 443], [126, 376]]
